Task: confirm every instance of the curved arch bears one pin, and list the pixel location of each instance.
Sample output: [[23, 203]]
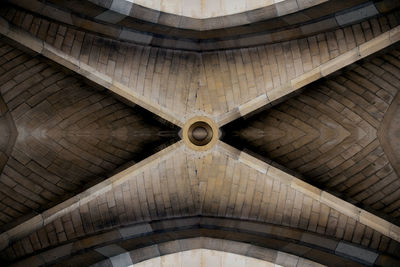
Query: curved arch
[[146, 26], [200, 12], [152, 239], [205, 251]]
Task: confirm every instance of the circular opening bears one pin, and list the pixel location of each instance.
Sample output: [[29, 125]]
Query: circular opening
[[200, 133]]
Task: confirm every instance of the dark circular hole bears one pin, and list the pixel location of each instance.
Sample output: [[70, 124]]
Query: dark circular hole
[[200, 133]]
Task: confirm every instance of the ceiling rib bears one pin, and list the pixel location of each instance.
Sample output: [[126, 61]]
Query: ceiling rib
[[85, 70], [360, 215], [389, 229], [202, 83], [368, 48], [76, 201], [380, 225]]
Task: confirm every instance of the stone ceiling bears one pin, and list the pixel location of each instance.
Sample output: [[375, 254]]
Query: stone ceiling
[[129, 132], [329, 134]]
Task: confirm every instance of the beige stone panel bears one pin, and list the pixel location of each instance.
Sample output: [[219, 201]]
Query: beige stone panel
[[279, 175], [253, 104], [207, 257], [253, 162], [375, 222], [341, 206], [279, 91], [202, 9], [394, 34], [306, 188], [306, 78], [228, 117], [374, 45], [253, 4], [340, 61]]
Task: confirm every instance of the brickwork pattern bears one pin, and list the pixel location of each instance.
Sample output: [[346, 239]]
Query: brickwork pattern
[[70, 135], [7, 130], [191, 83], [212, 185], [328, 133]]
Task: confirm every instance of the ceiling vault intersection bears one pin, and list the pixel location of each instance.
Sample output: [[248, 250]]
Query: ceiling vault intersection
[[121, 147]]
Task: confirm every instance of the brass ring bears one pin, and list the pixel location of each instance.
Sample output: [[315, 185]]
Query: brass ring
[[200, 133]]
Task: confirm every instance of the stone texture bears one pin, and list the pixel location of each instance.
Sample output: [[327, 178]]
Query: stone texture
[[329, 134], [70, 134], [215, 184], [212, 83]]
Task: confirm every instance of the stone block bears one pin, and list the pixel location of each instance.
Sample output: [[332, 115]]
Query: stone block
[[122, 6], [339, 62], [394, 34], [135, 230], [56, 253], [306, 188], [142, 254], [25, 39], [356, 252], [144, 13], [307, 263], [280, 91], [375, 222], [110, 16], [228, 117], [307, 3], [121, 260], [280, 175], [57, 14], [319, 241], [253, 104], [31, 261], [4, 27], [340, 205], [285, 259], [110, 250], [96, 240], [191, 243], [230, 150], [169, 247], [319, 26], [374, 45], [136, 37], [357, 15], [394, 232], [261, 253], [286, 7], [25, 228], [253, 162]]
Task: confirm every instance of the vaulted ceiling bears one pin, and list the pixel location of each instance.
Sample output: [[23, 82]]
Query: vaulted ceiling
[[98, 100]]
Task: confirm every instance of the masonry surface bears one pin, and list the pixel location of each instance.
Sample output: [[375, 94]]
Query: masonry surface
[[302, 99]]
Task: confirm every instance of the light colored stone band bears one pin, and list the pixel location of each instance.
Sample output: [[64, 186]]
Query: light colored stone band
[[118, 21], [368, 48], [197, 244], [78, 200], [85, 70], [382, 226], [234, 12], [113, 242]]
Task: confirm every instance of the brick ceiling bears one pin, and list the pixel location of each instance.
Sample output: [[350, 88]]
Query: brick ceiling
[[95, 100], [329, 134], [69, 134]]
